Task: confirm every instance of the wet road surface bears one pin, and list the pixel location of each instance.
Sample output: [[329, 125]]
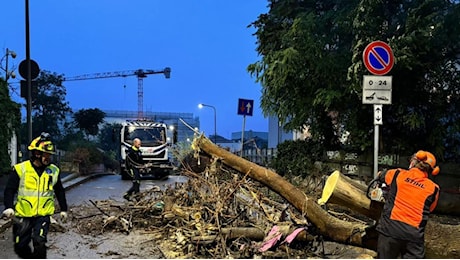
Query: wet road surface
[[72, 245]]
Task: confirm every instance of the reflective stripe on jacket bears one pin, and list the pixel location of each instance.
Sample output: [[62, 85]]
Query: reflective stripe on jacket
[[35, 193], [134, 157]]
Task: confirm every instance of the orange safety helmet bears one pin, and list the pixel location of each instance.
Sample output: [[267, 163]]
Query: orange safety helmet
[[429, 159], [43, 144]]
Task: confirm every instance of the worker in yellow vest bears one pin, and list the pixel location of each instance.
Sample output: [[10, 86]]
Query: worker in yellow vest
[[36, 183]]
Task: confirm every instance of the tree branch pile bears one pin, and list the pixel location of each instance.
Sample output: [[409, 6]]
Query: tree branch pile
[[213, 215], [234, 208], [336, 228], [219, 213]]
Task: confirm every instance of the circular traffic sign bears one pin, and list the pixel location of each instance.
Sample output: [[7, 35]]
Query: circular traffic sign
[[34, 69], [378, 58]]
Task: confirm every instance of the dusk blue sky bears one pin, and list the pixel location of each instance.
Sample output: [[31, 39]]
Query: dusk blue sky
[[206, 43]]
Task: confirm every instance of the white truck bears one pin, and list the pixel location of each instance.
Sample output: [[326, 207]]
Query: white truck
[[155, 147]]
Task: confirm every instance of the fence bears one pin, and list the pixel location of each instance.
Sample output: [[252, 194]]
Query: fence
[[260, 156], [351, 164]]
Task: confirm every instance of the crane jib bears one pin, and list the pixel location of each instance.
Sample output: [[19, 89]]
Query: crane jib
[[140, 73], [102, 75]]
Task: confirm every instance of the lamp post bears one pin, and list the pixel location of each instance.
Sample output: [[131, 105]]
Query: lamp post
[[200, 106], [8, 73]]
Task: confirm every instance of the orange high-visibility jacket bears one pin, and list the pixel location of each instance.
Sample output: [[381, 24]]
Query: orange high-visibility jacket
[[411, 198]]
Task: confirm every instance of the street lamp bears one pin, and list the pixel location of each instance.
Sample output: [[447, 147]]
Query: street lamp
[[8, 73], [200, 106]]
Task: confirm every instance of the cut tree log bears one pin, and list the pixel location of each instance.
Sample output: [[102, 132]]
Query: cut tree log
[[342, 190], [442, 241], [347, 189], [334, 228]]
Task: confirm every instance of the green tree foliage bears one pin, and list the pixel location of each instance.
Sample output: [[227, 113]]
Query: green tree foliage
[[86, 153], [70, 137], [311, 71], [109, 138], [109, 141], [426, 83], [297, 158], [49, 108], [305, 48], [88, 120], [11, 117]]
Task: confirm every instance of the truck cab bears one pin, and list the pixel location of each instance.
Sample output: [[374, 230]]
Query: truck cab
[[155, 148]]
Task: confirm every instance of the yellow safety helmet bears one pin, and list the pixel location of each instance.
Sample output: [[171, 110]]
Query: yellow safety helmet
[[43, 144]]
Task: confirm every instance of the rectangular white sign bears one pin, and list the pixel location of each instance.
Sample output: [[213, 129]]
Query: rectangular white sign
[[377, 97], [378, 115], [377, 82], [377, 90]]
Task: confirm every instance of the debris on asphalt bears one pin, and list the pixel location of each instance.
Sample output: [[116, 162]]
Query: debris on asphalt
[[217, 213]]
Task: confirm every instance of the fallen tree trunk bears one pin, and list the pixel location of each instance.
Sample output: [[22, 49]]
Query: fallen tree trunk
[[330, 226], [342, 190], [252, 233], [348, 190], [441, 240]]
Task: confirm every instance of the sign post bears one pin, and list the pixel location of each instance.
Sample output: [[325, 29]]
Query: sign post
[[378, 59], [245, 108]]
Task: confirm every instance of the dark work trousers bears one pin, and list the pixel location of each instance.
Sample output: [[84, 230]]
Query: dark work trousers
[[33, 229], [135, 174], [391, 248]]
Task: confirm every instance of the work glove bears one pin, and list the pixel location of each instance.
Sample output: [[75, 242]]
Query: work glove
[[148, 165], [53, 221], [8, 213], [63, 216]]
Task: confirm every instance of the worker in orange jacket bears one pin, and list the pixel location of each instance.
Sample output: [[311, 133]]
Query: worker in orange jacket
[[411, 197]]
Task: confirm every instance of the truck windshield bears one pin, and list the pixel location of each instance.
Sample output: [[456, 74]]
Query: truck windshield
[[148, 135]]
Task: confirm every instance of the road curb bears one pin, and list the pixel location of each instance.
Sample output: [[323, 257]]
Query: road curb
[[74, 179]]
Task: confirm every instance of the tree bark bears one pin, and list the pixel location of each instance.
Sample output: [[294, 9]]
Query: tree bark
[[336, 229], [252, 233], [442, 241], [342, 190]]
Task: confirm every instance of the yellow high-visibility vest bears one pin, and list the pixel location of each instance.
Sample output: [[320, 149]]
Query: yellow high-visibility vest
[[35, 194]]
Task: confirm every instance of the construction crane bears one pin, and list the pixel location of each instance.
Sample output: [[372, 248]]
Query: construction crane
[[140, 73]]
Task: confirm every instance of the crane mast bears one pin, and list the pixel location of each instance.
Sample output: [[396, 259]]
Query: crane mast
[[140, 73]]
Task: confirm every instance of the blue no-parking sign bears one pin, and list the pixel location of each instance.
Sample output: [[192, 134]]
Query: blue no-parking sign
[[378, 58]]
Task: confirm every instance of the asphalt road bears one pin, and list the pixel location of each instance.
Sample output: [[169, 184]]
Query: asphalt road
[[112, 187], [75, 246], [71, 180]]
